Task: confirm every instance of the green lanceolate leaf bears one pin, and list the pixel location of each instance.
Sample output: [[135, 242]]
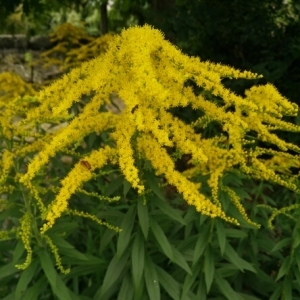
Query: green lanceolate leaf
[[114, 270], [180, 260], [8, 270], [19, 250], [58, 286], [201, 243], [10, 296], [66, 248], [235, 233], [297, 275], [151, 279], [25, 279], [171, 286], [126, 187], [168, 210], [107, 237], [285, 267], [73, 253], [221, 235], [113, 186], [126, 290], [161, 239], [137, 259], [201, 291], [143, 217], [296, 237], [153, 184], [277, 292], [282, 243], [226, 289], [209, 267], [34, 291], [287, 287], [189, 280], [236, 260], [127, 226]]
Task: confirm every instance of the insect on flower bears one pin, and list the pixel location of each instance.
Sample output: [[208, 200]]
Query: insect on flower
[[85, 164], [134, 109]]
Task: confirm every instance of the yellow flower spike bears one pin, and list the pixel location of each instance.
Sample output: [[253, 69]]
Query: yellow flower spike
[[57, 258], [74, 131], [163, 164], [183, 136], [76, 177], [123, 135], [94, 218], [213, 182], [6, 164], [237, 202], [284, 210], [25, 234]]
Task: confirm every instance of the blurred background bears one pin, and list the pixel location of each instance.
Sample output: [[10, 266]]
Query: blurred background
[[259, 35], [262, 36]]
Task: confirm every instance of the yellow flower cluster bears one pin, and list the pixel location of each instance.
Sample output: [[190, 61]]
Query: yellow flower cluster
[[75, 179], [94, 48], [13, 86], [65, 37], [6, 163], [151, 76], [163, 164]]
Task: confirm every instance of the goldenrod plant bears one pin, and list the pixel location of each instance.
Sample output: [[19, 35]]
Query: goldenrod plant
[[94, 48], [12, 86], [129, 157], [65, 38]]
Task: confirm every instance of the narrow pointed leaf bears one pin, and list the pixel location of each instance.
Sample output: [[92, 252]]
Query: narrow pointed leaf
[[24, 279], [287, 287], [127, 226], [137, 259], [18, 252], [285, 267], [143, 217], [282, 243], [126, 187], [221, 235], [106, 238], [236, 260], [209, 267], [189, 281], [8, 270], [180, 260], [57, 285], [201, 243], [126, 291], [226, 289], [171, 286], [151, 279], [153, 184], [277, 293], [34, 291], [114, 270], [168, 210], [201, 291], [113, 186], [161, 239]]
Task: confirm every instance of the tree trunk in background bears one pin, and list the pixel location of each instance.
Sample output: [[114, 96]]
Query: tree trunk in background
[[163, 10], [162, 5], [104, 18]]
